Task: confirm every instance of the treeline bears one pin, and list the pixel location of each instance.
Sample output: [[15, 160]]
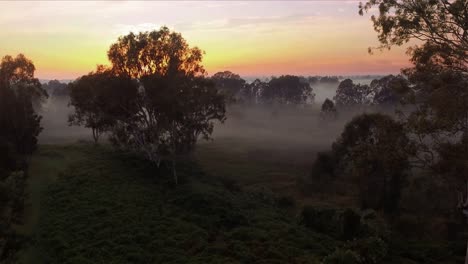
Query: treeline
[[56, 88], [290, 89]]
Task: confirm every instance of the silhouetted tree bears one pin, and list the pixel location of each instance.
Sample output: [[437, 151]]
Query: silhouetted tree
[[349, 94], [251, 92], [373, 149], [99, 98], [329, 80], [313, 80], [176, 104], [439, 25], [328, 110], [56, 88], [287, 89], [229, 84], [390, 90], [20, 126], [439, 78]]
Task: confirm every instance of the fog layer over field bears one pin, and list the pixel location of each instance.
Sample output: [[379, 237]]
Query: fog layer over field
[[54, 121], [276, 127]]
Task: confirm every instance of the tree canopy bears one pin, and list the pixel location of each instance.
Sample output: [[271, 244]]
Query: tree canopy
[[439, 78], [155, 98], [20, 91], [230, 84], [349, 94], [373, 149], [160, 52], [287, 89], [441, 26]]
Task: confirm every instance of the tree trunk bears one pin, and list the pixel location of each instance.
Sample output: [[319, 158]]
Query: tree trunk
[[174, 172], [466, 256], [95, 135]]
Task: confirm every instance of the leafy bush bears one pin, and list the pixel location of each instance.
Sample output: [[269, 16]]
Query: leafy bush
[[323, 220], [374, 225], [351, 224], [286, 201], [323, 169], [341, 256], [371, 250]]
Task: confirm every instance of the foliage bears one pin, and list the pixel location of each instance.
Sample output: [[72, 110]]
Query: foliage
[[390, 90], [197, 221], [439, 76], [440, 26], [341, 256], [323, 220], [329, 80], [11, 208], [176, 104], [19, 93], [323, 169], [349, 94], [229, 84], [56, 88], [351, 224], [328, 110], [251, 92], [373, 149], [287, 89], [154, 99], [147, 53], [371, 250], [99, 98]]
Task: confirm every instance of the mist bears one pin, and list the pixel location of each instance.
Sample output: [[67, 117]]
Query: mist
[[280, 127], [54, 112]]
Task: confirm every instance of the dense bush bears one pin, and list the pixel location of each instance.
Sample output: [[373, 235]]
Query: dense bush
[[371, 250], [345, 224], [341, 256], [323, 169]]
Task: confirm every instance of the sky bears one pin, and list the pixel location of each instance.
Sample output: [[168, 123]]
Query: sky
[[66, 39]]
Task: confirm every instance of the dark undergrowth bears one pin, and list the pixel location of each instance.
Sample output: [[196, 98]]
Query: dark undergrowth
[[113, 208], [110, 207]]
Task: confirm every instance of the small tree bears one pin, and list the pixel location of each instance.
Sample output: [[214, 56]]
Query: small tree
[[251, 92], [373, 149], [328, 110]]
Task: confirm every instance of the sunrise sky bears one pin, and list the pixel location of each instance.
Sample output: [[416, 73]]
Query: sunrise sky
[[253, 38]]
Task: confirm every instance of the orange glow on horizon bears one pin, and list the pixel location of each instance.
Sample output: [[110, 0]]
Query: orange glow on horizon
[[68, 39]]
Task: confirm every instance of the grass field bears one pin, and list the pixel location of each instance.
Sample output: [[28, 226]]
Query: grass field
[[91, 204]]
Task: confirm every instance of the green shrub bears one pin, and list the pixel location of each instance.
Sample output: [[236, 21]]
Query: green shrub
[[371, 250], [286, 202], [323, 169], [341, 256], [323, 220], [374, 225], [351, 224]]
